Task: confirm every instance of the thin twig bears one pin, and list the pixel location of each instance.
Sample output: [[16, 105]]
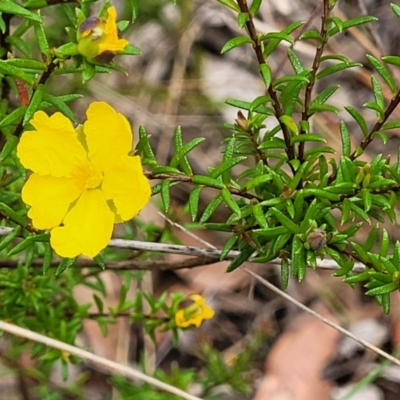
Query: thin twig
[[271, 90], [90, 358], [208, 256], [321, 318]]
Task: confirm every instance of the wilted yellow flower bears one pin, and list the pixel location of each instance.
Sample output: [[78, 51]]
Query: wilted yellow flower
[[83, 180], [194, 313], [98, 39]]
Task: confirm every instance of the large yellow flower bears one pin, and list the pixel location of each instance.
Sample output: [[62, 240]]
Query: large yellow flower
[[83, 180], [193, 313], [98, 38]]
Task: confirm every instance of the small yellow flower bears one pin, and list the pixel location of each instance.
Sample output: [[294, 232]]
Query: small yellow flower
[[83, 180], [98, 39], [194, 313]]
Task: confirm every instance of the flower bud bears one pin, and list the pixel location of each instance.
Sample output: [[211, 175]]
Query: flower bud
[[316, 240], [98, 39]]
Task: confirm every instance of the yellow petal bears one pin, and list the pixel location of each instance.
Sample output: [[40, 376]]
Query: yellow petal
[[125, 184], [50, 199], [108, 134], [110, 40], [51, 149], [87, 227]]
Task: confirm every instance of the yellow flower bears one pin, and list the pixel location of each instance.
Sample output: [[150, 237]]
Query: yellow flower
[[83, 180], [194, 313], [98, 39]]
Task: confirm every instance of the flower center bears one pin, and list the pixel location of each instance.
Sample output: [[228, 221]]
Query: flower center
[[87, 176]]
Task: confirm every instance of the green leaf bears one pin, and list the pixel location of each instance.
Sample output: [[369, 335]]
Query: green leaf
[[383, 72], [207, 181], [34, 103], [284, 273], [265, 74], [242, 19], [350, 23], [235, 42], [284, 220], [314, 35], [290, 96], [336, 68], [194, 201], [257, 181], [165, 194], [346, 141], [179, 156], [324, 95], [47, 258], [276, 35], [290, 123], [9, 7], [65, 263], [359, 119], [273, 43], [60, 106], [228, 246], [42, 41], [226, 166], [231, 203], [130, 51], [13, 118], [8, 147], [8, 239], [230, 4], [379, 98], [8, 69], [211, 208], [311, 137], [395, 9], [388, 288], [386, 126], [295, 61], [244, 255], [27, 63], [183, 161], [255, 6], [394, 60]]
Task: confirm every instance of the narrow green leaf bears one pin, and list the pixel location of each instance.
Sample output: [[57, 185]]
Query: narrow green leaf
[[395, 9], [231, 203], [284, 273], [284, 220], [8, 69], [346, 142], [273, 43], [311, 137], [336, 68], [255, 6], [388, 288], [178, 157], [228, 246], [359, 119], [34, 103], [235, 42], [165, 194], [230, 4], [383, 72], [47, 258], [14, 118], [207, 181], [9, 7], [194, 198], [211, 208], [60, 106], [65, 263], [350, 23], [266, 74], [295, 61], [242, 19], [7, 240], [241, 258], [379, 98]]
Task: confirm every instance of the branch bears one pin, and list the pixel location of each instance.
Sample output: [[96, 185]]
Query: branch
[[314, 69], [207, 255], [271, 90], [100, 362], [189, 179], [378, 125]]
